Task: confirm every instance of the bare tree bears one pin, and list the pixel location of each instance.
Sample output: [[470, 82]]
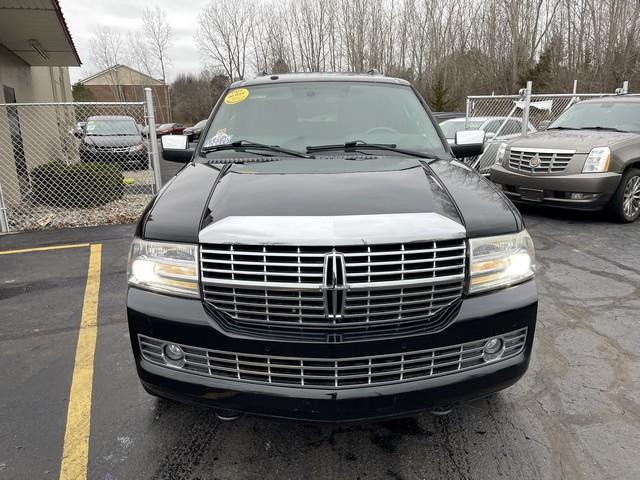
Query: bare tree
[[157, 32], [139, 54], [107, 51], [455, 47], [225, 30]]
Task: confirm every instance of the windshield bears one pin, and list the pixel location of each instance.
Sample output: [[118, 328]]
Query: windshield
[[450, 127], [624, 116], [112, 127], [298, 115]]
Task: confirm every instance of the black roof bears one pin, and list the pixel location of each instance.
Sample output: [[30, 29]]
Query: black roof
[[318, 77]]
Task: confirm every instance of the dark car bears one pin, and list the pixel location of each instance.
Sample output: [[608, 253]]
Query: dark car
[[113, 139], [587, 159], [169, 129], [322, 256], [194, 132]]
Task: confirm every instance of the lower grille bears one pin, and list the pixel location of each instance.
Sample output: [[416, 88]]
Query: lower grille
[[333, 373], [540, 160]]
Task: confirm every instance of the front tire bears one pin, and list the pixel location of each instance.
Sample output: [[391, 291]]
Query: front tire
[[625, 203]]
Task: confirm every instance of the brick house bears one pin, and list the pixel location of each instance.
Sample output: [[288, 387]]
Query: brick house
[[121, 83]]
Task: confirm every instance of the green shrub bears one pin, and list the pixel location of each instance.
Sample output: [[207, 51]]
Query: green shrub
[[77, 185]]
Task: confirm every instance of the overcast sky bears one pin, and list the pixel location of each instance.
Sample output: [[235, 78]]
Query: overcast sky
[[83, 17]]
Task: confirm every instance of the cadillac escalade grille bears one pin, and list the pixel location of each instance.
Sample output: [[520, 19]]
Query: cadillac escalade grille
[[540, 160], [352, 291], [329, 372]]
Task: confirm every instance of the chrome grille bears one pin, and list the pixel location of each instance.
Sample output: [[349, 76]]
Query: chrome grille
[[283, 288], [333, 373], [549, 161]]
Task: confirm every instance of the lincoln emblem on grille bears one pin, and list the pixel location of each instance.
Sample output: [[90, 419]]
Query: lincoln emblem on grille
[[334, 285]]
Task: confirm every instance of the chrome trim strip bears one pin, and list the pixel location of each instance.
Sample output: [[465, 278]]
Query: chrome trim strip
[[332, 230], [543, 150], [224, 282]]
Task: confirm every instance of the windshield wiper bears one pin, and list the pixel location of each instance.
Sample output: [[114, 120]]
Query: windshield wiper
[[243, 145], [359, 144], [609, 129]]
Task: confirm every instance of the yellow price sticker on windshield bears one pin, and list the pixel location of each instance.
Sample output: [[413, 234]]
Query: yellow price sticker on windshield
[[236, 96]]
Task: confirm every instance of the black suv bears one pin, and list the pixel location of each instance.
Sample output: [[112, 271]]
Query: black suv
[[322, 256]]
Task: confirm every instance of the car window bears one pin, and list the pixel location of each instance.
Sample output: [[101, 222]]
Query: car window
[[492, 126], [623, 116], [512, 127], [450, 127], [105, 127], [297, 115]]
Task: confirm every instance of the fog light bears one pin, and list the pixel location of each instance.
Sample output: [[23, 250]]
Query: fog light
[[493, 348], [173, 353], [582, 196]]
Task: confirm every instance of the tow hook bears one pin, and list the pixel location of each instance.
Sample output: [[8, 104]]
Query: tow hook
[[441, 410], [226, 415]]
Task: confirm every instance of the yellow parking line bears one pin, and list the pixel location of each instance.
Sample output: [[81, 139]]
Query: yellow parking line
[[43, 249], [76, 436]]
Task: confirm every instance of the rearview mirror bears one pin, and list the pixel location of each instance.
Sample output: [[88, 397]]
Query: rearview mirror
[[469, 143], [175, 148]]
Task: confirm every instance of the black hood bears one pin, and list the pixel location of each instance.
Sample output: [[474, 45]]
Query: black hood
[[200, 196], [113, 140], [329, 187]]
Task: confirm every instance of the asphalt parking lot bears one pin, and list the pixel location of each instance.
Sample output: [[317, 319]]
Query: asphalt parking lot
[[576, 413]]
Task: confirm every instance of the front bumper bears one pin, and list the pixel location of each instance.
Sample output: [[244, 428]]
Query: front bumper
[[557, 189], [186, 322], [123, 159]]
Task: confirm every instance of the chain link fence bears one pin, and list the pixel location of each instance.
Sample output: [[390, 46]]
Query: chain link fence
[[505, 117], [74, 164]]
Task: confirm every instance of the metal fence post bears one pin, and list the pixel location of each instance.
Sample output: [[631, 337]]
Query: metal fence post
[[4, 223], [527, 107], [153, 140], [468, 114]]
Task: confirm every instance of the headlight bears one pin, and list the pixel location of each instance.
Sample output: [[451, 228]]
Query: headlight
[[502, 149], [597, 161], [137, 148], [498, 262], [164, 267]]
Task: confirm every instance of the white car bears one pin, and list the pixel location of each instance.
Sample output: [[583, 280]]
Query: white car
[[494, 127]]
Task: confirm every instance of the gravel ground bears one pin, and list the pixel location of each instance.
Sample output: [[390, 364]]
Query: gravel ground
[[31, 216], [36, 217]]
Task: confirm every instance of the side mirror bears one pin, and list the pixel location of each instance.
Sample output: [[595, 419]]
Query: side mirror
[[469, 143], [489, 135], [78, 133], [175, 148], [544, 125]]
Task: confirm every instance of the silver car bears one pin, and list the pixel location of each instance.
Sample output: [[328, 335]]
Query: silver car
[[588, 159]]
